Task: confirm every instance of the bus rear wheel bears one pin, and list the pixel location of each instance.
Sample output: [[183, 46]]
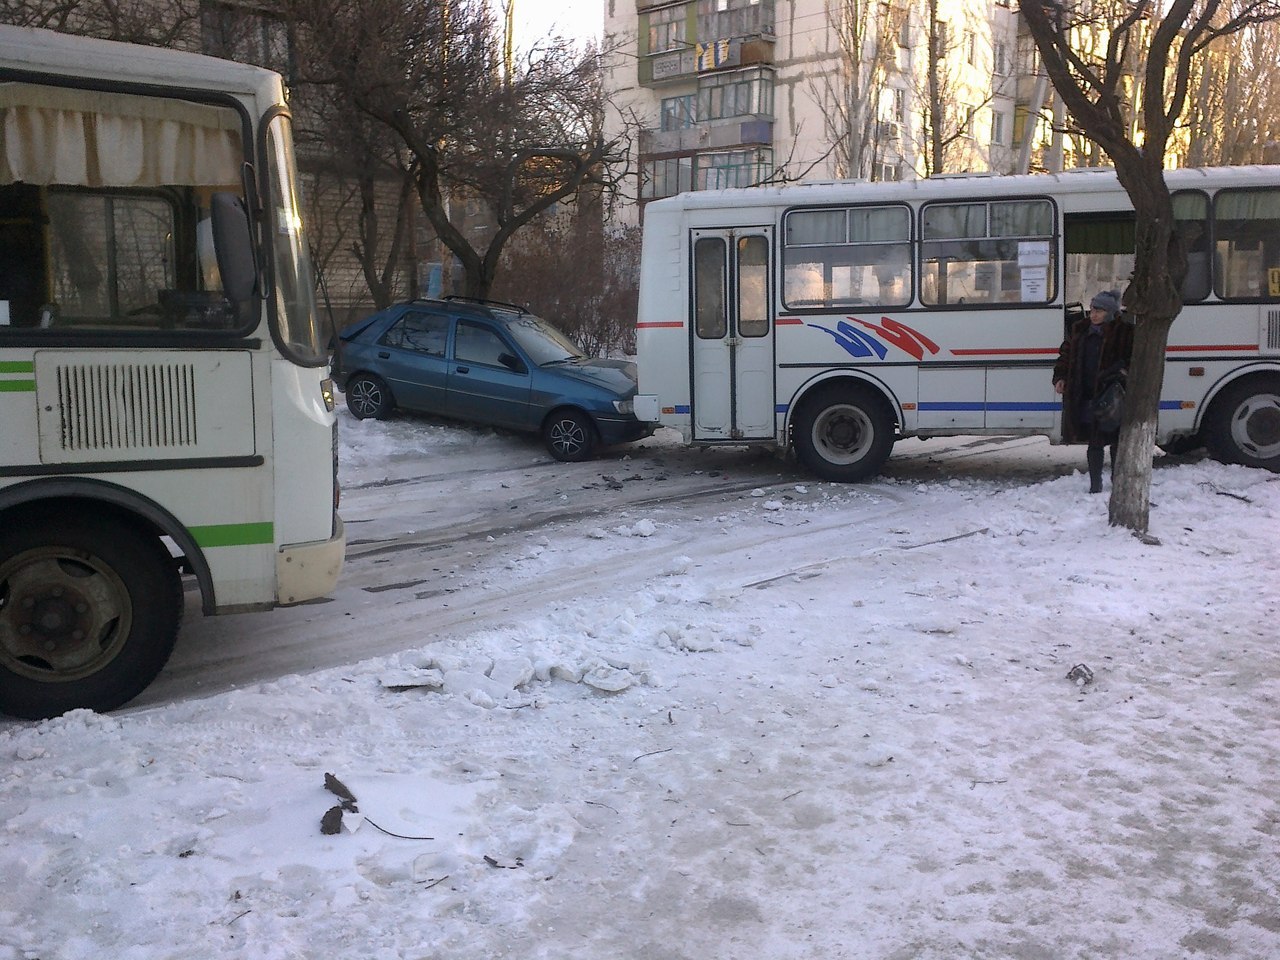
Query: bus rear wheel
[[89, 613], [1243, 425], [844, 433]]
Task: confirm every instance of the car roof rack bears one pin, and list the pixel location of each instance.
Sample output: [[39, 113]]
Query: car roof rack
[[500, 304]]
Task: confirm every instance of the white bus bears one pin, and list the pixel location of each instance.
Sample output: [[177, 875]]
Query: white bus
[[164, 407], [839, 317]]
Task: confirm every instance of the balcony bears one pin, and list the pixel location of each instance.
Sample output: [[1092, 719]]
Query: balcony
[[721, 135], [690, 60]]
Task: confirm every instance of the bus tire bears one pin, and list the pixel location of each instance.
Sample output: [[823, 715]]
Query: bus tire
[[368, 396], [570, 435], [844, 433], [89, 612], [1243, 425]]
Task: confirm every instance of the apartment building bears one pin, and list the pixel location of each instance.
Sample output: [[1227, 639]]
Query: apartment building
[[741, 92]]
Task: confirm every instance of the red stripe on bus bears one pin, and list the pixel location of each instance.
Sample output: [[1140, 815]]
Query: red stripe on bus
[[1223, 347], [650, 325], [1019, 351], [789, 322]]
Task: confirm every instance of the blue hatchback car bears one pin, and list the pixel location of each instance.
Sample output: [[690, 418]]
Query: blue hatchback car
[[487, 363]]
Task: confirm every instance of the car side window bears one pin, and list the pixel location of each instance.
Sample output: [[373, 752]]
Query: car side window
[[477, 344], [420, 332]]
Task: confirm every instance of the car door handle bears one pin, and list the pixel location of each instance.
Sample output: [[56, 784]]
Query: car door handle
[[384, 355], [464, 370]]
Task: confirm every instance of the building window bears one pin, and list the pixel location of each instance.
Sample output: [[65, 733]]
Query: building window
[[678, 112], [739, 94], [732, 168], [723, 19], [888, 171], [666, 178], [1000, 59], [667, 29], [999, 128], [247, 35], [971, 48]]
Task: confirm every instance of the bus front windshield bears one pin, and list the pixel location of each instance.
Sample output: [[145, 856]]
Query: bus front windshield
[[297, 327]]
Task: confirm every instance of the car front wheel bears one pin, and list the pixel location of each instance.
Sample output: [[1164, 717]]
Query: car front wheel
[[570, 435], [368, 396]]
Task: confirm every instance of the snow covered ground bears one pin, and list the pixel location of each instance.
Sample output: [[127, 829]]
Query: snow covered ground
[[675, 705]]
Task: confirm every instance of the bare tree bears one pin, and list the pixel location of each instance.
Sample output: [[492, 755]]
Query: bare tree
[[513, 143], [1093, 89], [866, 39], [949, 103], [1234, 115], [172, 24]]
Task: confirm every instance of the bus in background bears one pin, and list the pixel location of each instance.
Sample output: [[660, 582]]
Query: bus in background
[[164, 403], [839, 317]]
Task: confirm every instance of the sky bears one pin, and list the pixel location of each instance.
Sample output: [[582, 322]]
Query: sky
[[575, 19], [912, 719]]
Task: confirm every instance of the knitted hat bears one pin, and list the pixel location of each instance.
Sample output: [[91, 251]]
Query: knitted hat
[[1108, 300]]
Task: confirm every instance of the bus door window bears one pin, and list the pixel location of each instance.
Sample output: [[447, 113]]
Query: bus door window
[[711, 319], [753, 286], [1247, 244], [1098, 255]]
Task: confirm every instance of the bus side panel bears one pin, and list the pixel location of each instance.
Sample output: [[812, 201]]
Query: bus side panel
[[662, 329]]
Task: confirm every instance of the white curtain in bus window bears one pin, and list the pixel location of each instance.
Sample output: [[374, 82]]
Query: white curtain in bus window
[[999, 251], [710, 321], [1246, 227], [860, 256], [55, 135]]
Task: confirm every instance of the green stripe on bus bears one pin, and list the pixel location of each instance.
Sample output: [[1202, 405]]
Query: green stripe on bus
[[233, 534], [17, 366], [17, 386]]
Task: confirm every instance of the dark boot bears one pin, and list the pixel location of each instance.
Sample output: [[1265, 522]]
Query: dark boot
[[1095, 457]]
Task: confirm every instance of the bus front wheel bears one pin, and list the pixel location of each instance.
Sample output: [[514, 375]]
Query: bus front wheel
[[89, 612], [1243, 425], [844, 433]]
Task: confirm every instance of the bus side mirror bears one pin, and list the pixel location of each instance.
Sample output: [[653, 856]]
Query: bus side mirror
[[233, 245]]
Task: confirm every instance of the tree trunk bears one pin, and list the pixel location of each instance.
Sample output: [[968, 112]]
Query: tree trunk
[[1130, 505], [1154, 299]]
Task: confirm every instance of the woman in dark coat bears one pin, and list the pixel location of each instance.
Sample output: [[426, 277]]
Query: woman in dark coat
[[1097, 349]]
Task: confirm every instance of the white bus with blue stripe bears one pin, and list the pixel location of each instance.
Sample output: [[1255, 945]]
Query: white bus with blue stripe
[[838, 317]]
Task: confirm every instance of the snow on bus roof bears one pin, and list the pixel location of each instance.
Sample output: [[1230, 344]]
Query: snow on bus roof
[[1082, 180]]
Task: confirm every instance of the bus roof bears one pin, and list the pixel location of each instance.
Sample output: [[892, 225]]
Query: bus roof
[[1081, 182], [65, 55]]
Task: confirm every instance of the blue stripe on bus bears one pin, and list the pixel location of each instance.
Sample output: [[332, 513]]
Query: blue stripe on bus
[[966, 405]]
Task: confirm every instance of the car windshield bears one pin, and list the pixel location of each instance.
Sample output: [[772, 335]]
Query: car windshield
[[544, 343]]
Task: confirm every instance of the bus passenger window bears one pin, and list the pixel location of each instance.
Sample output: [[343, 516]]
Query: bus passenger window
[[855, 257], [999, 251], [1247, 252], [1191, 221]]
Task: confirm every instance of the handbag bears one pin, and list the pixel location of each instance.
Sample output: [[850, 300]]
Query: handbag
[[1108, 404]]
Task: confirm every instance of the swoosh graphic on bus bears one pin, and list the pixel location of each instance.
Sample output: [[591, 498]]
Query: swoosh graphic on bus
[[859, 344]]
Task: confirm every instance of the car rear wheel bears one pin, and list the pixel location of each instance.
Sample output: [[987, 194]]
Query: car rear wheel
[[368, 396], [570, 435]]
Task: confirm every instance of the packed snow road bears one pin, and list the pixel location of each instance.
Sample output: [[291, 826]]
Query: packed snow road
[[448, 538]]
